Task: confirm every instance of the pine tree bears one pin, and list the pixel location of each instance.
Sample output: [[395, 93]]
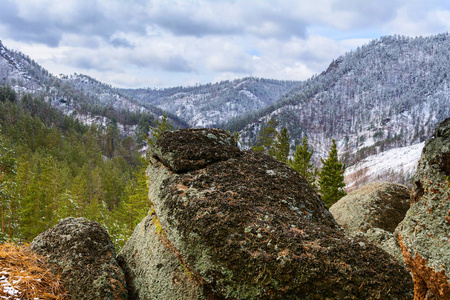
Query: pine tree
[[161, 126], [282, 146], [267, 139], [331, 178], [302, 162], [7, 187]]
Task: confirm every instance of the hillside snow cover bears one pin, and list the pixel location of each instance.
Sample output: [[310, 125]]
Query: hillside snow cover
[[398, 164]]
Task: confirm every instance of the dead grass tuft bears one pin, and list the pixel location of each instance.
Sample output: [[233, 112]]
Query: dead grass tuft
[[25, 275]]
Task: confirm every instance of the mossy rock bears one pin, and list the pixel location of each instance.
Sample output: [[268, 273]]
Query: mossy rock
[[249, 227], [82, 252]]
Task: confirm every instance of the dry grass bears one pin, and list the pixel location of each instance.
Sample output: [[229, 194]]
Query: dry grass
[[27, 274]]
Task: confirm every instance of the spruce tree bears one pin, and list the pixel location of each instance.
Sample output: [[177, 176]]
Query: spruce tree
[[302, 162], [267, 139], [331, 178], [282, 146], [161, 126]]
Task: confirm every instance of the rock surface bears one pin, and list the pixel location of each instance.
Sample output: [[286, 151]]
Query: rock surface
[[374, 211], [152, 269], [425, 231], [245, 226], [81, 251], [375, 205]]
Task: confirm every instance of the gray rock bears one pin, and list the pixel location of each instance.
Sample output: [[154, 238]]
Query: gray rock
[[249, 227], [81, 251], [195, 149], [374, 211], [425, 231], [152, 269]]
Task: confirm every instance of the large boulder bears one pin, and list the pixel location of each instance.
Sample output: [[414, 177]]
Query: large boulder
[[374, 211], [425, 231], [245, 226], [81, 251], [152, 268]]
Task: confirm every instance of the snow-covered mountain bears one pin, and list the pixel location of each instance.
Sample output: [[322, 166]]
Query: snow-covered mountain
[[20, 71], [213, 105], [80, 96], [390, 93]]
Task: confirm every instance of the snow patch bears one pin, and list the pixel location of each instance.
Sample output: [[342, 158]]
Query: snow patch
[[383, 166]]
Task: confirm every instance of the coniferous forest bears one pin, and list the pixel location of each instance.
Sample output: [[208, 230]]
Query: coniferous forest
[[53, 167]]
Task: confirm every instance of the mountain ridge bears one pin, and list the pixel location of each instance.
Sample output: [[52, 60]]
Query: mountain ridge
[[387, 94]]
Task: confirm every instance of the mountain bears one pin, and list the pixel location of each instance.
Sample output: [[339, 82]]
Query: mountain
[[91, 101], [387, 94], [80, 96], [214, 104]]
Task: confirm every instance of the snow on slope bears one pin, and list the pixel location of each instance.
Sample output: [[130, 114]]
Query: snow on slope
[[394, 165]]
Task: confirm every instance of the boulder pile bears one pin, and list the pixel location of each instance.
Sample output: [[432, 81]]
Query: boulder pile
[[374, 211], [231, 224]]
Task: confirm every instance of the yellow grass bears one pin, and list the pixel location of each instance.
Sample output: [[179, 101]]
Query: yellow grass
[[27, 273]]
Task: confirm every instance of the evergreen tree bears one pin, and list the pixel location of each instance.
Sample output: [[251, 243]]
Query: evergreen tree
[[331, 178], [65, 169], [302, 162], [161, 126], [7, 187], [267, 139], [282, 146]]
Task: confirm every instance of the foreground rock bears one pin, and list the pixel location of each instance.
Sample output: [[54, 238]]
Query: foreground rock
[[425, 232], [374, 211], [244, 226], [81, 251]]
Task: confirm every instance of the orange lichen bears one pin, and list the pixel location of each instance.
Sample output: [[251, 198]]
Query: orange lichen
[[426, 279]]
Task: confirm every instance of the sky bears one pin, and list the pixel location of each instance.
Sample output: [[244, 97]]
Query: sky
[[167, 43]]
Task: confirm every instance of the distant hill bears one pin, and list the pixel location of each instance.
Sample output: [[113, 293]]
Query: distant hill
[[214, 104], [78, 95], [388, 94]]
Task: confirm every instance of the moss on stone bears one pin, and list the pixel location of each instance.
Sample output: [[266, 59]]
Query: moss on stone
[[252, 228]]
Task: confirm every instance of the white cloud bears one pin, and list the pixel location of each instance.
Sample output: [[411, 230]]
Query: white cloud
[[164, 43]]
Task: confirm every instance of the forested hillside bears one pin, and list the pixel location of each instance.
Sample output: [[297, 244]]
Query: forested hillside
[[80, 96], [214, 104], [387, 94], [52, 166]]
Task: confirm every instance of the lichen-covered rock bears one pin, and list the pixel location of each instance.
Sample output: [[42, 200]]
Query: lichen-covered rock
[[249, 227], [385, 240], [425, 231], [374, 211], [375, 205], [195, 149], [81, 251], [152, 268]]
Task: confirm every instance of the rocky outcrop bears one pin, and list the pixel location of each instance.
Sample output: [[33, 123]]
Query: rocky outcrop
[[374, 211], [81, 251], [244, 226], [152, 268], [425, 231]]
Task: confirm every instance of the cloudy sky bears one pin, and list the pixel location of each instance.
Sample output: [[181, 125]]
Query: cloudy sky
[[165, 43]]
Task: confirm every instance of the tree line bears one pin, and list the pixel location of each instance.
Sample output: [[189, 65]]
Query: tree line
[[328, 181], [52, 167]]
